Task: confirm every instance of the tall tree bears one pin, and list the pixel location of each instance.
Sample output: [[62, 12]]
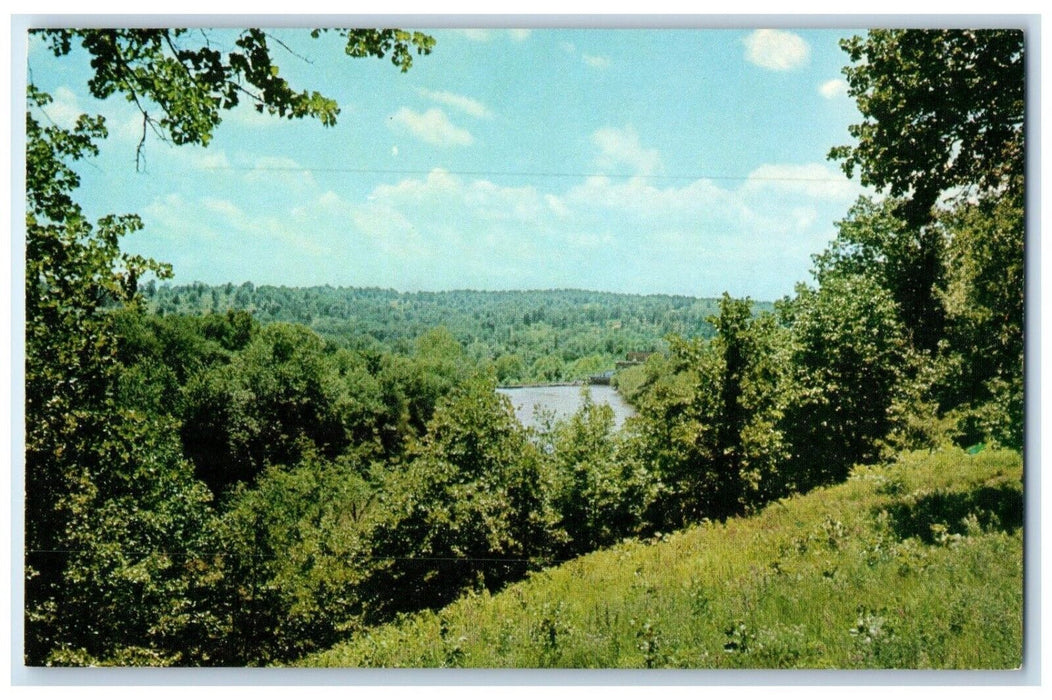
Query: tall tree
[[944, 133], [600, 496], [709, 423], [943, 115], [908, 261], [943, 110], [984, 299], [848, 355], [111, 508]]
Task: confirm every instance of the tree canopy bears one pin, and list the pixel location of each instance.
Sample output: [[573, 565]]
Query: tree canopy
[[943, 109], [190, 82]]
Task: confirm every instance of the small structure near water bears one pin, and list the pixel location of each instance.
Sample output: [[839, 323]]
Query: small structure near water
[[604, 378]]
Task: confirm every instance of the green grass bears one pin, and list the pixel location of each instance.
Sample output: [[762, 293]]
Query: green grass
[[918, 564]]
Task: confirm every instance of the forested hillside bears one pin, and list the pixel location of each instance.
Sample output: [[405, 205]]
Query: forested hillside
[[244, 475], [529, 336]]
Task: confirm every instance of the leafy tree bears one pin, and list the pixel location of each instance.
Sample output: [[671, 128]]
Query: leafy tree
[[108, 501], [292, 555], [159, 355], [943, 133], [547, 368], [599, 496], [232, 330], [471, 510], [712, 428], [984, 298], [437, 365], [508, 368], [279, 396], [757, 360], [908, 261], [663, 435], [943, 109], [848, 357], [588, 365]]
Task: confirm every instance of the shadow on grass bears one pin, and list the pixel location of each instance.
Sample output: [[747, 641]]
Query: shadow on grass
[[927, 516]]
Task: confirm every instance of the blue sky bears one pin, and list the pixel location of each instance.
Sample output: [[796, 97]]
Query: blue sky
[[647, 161]]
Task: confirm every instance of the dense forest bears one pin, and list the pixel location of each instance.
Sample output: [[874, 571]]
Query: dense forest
[[242, 475], [528, 336]]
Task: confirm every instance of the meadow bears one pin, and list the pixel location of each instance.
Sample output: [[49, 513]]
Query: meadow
[[913, 565]]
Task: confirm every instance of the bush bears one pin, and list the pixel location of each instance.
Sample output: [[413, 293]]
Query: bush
[[293, 553], [600, 495]]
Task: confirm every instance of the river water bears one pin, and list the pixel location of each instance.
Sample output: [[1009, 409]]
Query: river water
[[564, 401]]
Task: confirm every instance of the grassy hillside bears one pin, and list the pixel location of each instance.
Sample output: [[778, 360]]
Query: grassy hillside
[[914, 565]]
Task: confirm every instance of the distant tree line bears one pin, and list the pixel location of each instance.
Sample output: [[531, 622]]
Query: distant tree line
[[528, 336]]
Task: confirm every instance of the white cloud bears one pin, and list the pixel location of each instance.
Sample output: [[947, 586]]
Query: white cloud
[[246, 115], [622, 147], [556, 205], [596, 61], [64, 108], [192, 161], [464, 104], [814, 180], [443, 230], [776, 49], [129, 129], [281, 171], [279, 163], [123, 121], [433, 126], [831, 89], [265, 233], [476, 34], [212, 160], [230, 213], [482, 35], [493, 202], [223, 207], [483, 198], [636, 197], [450, 231], [167, 210], [330, 200], [438, 183]]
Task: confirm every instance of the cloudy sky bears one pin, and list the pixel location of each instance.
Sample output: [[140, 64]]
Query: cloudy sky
[[648, 161]]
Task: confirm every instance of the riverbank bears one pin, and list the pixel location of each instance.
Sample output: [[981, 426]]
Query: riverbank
[[543, 385]]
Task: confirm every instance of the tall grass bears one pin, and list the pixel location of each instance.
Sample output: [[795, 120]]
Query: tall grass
[[917, 564]]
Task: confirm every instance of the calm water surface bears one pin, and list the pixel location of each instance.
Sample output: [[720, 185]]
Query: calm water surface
[[564, 401]]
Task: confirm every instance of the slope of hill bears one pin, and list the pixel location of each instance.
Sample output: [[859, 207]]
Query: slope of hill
[[918, 564]]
